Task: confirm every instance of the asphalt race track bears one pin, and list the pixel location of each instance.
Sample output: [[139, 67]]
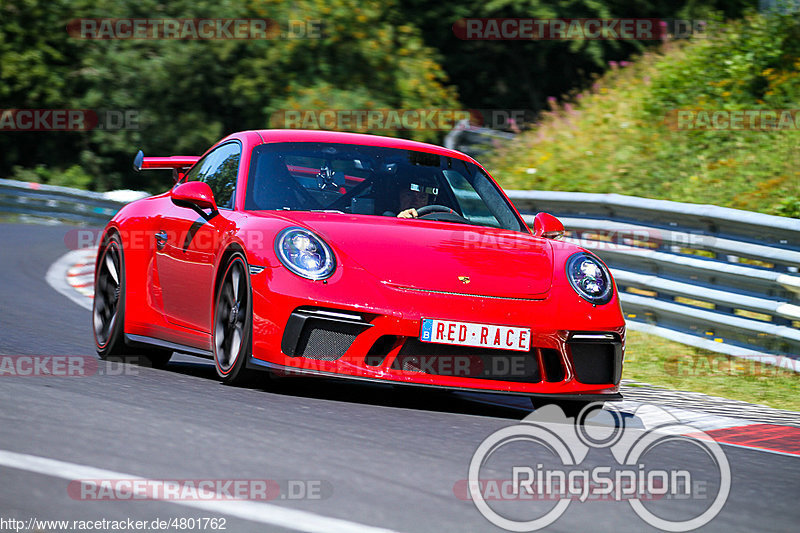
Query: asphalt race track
[[366, 457]]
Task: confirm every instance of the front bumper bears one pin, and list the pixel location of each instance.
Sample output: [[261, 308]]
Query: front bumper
[[369, 331]]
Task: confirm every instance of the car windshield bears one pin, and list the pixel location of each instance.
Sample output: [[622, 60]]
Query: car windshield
[[374, 180]]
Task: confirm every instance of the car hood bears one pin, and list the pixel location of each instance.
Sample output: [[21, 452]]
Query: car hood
[[436, 256]]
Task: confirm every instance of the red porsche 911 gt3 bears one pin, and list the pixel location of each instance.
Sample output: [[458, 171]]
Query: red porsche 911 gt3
[[355, 256]]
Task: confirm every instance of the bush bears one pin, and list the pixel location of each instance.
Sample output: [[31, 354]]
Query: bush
[[188, 94], [616, 137], [789, 207], [73, 176]]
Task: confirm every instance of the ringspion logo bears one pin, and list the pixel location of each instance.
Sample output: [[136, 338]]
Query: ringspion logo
[[518, 472]]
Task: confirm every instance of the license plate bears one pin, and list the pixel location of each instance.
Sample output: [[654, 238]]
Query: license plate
[[472, 334]]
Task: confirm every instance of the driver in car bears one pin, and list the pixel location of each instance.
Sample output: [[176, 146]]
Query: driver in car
[[415, 196]]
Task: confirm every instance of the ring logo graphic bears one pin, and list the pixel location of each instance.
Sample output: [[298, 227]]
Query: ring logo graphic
[[524, 477]]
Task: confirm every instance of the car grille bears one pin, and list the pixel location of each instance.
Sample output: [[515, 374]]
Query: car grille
[[553, 365], [324, 335], [597, 363], [324, 341], [467, 361], [380, 349]]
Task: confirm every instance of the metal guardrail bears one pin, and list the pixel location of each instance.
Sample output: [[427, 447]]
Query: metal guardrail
[[62, 203], [475, 140], [713, 277]]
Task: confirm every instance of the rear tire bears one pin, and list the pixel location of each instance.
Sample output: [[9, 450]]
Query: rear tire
[[233, 322], [108, 311]]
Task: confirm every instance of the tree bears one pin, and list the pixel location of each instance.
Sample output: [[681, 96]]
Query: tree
[[189, 93], [523, 74]]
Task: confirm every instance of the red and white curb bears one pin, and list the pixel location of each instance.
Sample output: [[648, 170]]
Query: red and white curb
[[728, 422], [73, 276], [713, 412], [80, 276]]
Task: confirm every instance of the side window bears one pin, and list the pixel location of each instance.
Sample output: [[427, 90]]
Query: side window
[[219, 169], [200, 167], [478, 203]]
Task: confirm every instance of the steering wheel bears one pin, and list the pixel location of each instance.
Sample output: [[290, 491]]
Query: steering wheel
[[435, 208], [440, 213]]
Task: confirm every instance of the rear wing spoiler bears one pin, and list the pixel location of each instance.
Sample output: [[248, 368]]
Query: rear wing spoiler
[[177, 163]]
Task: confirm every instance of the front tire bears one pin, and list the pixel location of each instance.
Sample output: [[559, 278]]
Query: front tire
[[108, 311], [109, 300], [233, 326]]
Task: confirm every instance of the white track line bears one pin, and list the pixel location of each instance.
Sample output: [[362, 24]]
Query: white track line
[[264, 513], [56, 276]]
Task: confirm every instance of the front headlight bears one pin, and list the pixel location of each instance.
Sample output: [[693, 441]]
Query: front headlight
[[590, 278], [305, 254]]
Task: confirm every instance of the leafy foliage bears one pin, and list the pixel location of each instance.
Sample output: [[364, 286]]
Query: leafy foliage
[[523, 74], [614, 137], [373, 54], [189, 93]]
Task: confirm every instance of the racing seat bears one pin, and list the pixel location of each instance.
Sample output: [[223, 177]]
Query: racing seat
[[273, 187]]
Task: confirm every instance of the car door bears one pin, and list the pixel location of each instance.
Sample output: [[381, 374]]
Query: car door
[[188, 242]]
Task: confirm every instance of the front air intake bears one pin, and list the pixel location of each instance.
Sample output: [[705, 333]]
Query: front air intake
[[321, 334], [553, 366], [596, 361]]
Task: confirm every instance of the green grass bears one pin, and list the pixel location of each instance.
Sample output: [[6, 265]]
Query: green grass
[[664, 363]]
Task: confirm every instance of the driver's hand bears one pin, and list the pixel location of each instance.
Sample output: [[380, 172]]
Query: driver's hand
[[408, 213]]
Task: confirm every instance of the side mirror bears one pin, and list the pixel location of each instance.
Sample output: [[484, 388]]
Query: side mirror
[[194, 194], [547, 226]]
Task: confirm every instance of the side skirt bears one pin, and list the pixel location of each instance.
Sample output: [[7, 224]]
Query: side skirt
[[143, 340]]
